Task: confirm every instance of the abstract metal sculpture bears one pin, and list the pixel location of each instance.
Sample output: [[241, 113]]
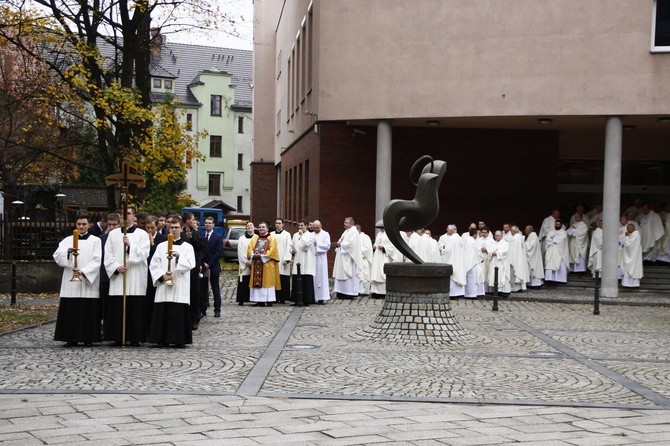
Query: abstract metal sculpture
[[410, 215]]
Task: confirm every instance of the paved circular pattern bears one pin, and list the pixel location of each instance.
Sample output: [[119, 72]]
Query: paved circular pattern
[[524, 352], [136, 369], [446, 376], [655, 376]]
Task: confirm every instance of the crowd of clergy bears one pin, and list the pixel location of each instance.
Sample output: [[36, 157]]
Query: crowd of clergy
[[150, 280], [137, 278], [510, 260]]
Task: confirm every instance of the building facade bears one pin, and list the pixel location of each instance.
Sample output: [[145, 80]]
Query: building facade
[[213, 86], [533, 104]]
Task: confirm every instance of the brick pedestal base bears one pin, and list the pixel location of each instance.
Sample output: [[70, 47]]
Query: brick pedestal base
[[417, 308]]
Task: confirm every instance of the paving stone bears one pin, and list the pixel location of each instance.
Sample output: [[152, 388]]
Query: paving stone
[[534, 373]]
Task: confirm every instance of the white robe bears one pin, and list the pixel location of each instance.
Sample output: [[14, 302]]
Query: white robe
[[480, 243], [137, 274], [547, 226], [472, 258], [498, 252], [535, 261], [380, 257], [578, 246], [519, 274], [181, 267], [651, 231], [347, 258], [596, 252], [366, 263], [451, 249], [305, 253], [284, 245], [321, 283], [664, 243], [423, 247], [632, 260], [88, 262], [242, 246], [557, 256]]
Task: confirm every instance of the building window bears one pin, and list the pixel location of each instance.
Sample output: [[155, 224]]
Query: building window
[[214, 146], [240, 124], [189, 121], [240, 161], [661, 26], [214, 184], [215, 105], [167, 83], [239, 203], [157, 83]]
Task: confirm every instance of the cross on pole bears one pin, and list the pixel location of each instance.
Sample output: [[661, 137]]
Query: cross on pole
[[124, 179]]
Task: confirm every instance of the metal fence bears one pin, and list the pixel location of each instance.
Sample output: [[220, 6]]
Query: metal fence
[[22, 239]]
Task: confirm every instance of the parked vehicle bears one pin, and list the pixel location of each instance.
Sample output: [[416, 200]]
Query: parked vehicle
[[230, 242], [202, 213]]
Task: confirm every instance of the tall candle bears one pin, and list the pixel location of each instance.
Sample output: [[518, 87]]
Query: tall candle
[[75, 239], [170, 239]]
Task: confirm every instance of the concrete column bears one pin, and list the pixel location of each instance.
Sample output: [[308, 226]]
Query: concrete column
[[611, 206], [383, 176]]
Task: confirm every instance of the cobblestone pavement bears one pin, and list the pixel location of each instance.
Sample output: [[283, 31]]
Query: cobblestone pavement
[[531, 373]]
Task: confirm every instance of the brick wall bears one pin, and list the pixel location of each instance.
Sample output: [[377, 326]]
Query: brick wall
[[494, 175], [263, 192]]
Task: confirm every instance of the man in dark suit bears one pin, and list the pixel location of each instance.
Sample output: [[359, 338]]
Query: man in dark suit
[[193, 237], [211, 268], [99, 227]]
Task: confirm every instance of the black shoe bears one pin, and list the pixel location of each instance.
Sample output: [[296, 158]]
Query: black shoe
[[194, 326], [217, 314], [71, 344], [203, 314], [117, 344], [179, 346], [88, 344], [319, 302], [134, 344], [240, 303]]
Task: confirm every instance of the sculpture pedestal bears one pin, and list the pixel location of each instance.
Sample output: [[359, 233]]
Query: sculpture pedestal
[[417, 308]]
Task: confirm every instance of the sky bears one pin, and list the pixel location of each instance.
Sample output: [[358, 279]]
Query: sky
[[241, 11]]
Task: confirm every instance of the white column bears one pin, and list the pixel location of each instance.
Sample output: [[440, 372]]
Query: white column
[[383, 175], [611, 206]]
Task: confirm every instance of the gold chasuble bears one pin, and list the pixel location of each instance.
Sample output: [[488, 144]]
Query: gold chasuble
[[264, 255]]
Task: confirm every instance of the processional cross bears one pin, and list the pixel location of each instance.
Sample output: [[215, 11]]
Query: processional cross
[[124, 179]]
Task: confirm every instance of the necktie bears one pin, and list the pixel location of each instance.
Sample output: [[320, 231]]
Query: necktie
[[208, 236]]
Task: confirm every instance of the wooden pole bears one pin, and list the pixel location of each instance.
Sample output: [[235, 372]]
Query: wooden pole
[[123, 179]]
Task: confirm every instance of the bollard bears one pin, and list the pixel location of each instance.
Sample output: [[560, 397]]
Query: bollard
[[495, 289], [596, 291], [298, 288], [13, 291]]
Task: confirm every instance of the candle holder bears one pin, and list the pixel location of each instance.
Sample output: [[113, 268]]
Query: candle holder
[[169, 281], [75, 278]]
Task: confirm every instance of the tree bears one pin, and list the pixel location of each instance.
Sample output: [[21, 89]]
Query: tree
[[34, 144], [98, 54]]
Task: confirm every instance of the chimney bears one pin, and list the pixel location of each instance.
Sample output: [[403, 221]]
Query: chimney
[[156, 42]]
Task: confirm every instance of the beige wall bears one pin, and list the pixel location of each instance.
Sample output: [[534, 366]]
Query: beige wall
[[393, 58], [266, 13], [461, 59]]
